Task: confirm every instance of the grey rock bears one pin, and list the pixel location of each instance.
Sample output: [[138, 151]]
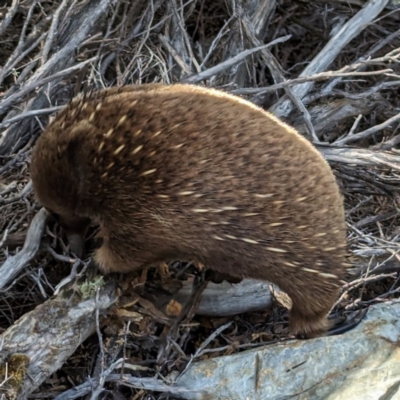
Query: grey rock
[[363, 363]]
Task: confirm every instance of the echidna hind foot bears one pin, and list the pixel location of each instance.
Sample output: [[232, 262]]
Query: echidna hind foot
[[310, 327]]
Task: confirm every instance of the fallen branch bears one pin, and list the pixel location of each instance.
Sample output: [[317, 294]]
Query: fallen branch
[[153, 384], [225, 299], [351, 29], [22, 194], [368, 132], [208, 73], [9, 16], [15, 264], [75, 31], [29, 114], [10, 101], [310, 78], [41, 341], [360, 157]]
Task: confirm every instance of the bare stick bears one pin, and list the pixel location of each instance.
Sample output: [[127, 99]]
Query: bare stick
[[174, 54], [368, 132], [326, 117], [348, 32], [21, 42], [356, 122], [9, 16], [223, 31], [13, 62], [24, 192], [51, 33], [276, 72], [151, 384], [314, 78], [74, 42], [199, 351], [360, 157], [75, 32], [103, 374], [208, 73], [15, 264], [8, 102], [306, 115], [5, 189], [29, 114]]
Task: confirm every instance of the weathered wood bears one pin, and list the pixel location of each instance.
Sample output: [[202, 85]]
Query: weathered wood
[[40, 342], [226, 299], [351, 29], [15, 264], [73, 35]]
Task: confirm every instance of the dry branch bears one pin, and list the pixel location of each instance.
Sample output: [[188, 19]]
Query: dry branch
[[348, 32], [24, 192], [9, 16], [15, 264], [41, 341], [368, 132], [151, 384], [77, 31], [225, 299], [230, 62], [361, 157], [311, 78], [327, 115], [29, 114], [8, 102]]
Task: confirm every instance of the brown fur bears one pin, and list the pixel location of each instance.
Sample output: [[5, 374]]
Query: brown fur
[[183, 172]]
